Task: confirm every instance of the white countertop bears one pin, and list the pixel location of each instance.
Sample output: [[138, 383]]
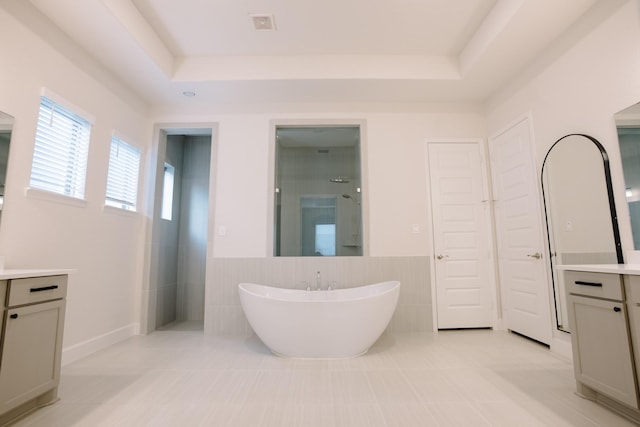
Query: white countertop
[[30, 272], [633, 269]]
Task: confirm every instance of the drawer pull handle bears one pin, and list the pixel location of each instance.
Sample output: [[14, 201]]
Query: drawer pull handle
[[14, 316], [44, 288], [580, 282], [617, 309]]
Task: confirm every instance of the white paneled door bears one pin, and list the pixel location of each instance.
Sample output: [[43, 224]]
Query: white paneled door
[[461, 235], [523, 278]]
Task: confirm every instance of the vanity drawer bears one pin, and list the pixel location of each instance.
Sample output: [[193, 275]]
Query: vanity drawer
[[599, 285], [36, 289]]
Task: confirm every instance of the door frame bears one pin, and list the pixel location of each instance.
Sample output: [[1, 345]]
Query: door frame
[[152, 203], [489, 222]]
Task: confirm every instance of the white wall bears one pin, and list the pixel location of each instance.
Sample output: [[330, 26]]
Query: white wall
[[107, 249], [394, 185], [580, 92], [104, 248], [394, 197]]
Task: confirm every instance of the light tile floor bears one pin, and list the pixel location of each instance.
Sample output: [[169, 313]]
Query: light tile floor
[[180, 377]]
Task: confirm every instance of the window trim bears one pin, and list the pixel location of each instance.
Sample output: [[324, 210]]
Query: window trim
[[48, 93], [119, 211], [117, 137], [50, 196], [46, 194]]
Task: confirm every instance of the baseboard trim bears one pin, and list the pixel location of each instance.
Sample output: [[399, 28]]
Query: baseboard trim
[[498, 325], [78, 351], [562, 348]]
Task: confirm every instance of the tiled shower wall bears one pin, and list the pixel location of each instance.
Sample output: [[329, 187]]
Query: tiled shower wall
[[224, 315]]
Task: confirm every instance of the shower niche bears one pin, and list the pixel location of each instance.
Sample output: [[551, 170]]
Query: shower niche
[[318, 191]]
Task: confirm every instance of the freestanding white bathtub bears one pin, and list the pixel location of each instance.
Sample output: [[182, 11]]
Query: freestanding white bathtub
[[319, 324]]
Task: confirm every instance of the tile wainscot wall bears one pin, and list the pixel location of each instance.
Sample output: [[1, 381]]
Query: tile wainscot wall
[[224, 315]]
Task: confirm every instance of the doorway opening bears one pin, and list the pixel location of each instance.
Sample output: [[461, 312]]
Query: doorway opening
[[178, 249]]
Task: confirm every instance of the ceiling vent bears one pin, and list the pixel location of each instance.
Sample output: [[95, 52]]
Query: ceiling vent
[[263, 22]]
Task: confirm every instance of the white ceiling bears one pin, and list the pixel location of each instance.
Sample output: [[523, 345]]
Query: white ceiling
[[311, 27], [321, 51]]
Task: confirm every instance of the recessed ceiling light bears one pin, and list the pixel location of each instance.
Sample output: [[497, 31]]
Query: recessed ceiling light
[[189, 93], [263, 21]]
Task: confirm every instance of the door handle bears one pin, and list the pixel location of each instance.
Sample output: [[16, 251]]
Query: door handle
[[537, 255], [44, 288], [442, 256], [583, 283]]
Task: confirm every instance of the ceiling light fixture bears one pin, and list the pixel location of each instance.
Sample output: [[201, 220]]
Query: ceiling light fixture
[[263, 21], [189, 93]]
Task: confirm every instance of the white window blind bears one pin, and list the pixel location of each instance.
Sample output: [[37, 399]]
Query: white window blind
[[61, 150], [122, 180]]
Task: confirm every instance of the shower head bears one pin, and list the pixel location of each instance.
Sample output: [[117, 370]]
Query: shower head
[[349, 196]]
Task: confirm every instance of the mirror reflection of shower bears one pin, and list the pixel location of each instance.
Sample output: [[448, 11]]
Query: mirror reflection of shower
[[316, 164]]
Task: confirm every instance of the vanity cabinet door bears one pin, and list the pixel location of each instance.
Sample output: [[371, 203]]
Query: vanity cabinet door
[[602, 351], [632, 288], [30, 364]]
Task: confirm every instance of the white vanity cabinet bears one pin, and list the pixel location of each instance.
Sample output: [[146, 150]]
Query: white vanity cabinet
[[602, 352], [30, 342], [632, 287]]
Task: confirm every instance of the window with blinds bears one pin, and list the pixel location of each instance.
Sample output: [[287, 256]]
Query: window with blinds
[[61, 150], [122, 180]]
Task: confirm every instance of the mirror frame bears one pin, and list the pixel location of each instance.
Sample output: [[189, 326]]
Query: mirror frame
[[612, 208]]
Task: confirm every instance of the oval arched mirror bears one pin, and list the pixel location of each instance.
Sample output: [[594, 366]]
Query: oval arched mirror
[[581, 216]]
